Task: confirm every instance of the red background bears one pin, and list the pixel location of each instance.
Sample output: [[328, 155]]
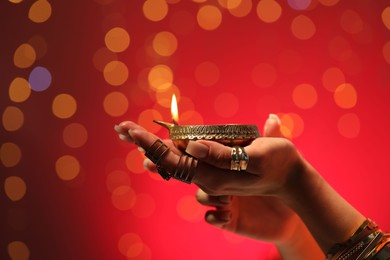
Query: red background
[[111, 207]]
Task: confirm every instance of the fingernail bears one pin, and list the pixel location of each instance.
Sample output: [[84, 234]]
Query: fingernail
[[146, 162], [124, 137], [197, 149], [117, 128], [142, 150], [130, 131], [274, 117], [225, 199]]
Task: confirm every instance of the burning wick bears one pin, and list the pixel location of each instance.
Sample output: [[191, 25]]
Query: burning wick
[[174, 110]]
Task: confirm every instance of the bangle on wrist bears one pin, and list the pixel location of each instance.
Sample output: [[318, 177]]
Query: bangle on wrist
[[361, 244]]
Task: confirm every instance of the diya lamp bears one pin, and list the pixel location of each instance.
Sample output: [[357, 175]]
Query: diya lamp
[[227, 134]]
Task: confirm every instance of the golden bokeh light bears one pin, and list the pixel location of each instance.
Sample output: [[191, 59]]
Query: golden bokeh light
[[239, 8], [13, 118], [209, 17], [329, 2], [15, 1], [67, 167], [24, 56], [116, 73], [345, 96], [386, 52], [304, 96], [207, 73], [302, 27], [115, 104], [164, 43], [223, 3], [102, 57], [130, 245], [155, 10], [145, 206], [269, 11], [75, 135], [134, 161], [332, 78], [351, 22], [386, 17], [123, 197], [291, 125], [64, 106], [189, 209], [348, 125], [19, 90], [226, 105], [40, 11], [146, 117], [231, 4], [163, 98], [18, 250], [191, 117], [160, 77], [117, 39], [116, 179], [10, 154], [15, 188], [264, 75]]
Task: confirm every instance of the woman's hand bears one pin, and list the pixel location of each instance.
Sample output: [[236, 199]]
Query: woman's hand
[[275, 168], [264, 218], [259, 217], [271, 162]]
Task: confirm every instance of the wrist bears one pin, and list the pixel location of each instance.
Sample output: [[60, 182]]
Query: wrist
[[329, 218], [300, 244]]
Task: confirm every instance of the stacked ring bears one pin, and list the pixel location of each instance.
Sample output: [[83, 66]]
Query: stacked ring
[[186, 166], [155, 153], [185, 169], [239, 159]]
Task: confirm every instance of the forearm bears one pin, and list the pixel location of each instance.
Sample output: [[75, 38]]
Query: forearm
[[300, 245], [327, 215]]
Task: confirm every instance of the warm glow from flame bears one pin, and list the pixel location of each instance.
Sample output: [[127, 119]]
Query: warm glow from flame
[[174, 110]]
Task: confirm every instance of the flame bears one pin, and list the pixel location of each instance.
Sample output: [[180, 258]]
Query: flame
[[174, 110]]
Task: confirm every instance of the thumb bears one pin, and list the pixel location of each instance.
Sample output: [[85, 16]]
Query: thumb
[[272, 126]]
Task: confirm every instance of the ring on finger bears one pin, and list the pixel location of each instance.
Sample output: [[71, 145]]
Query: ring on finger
[[155, 153], [186, 168], [239, 159]]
